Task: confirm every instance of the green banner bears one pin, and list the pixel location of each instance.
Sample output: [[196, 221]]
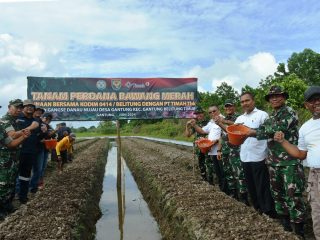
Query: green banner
[[91, 99]]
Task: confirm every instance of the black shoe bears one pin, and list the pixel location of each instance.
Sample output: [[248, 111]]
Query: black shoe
[[34, 190], [233, 193], [244, 198], [23, 200], [10, 208], [285, 222], [272, 214], [298, 229]]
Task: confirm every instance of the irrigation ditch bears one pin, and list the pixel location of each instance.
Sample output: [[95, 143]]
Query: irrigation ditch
[[184, 206]]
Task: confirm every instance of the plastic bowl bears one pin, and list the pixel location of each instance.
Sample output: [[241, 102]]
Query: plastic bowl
[[237, 134], [204, 144], [50, 144]]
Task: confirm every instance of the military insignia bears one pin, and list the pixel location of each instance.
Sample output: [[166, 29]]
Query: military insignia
[[101, 84], [116, 84]]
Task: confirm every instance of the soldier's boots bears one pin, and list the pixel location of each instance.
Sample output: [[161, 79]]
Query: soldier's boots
[[244, 198], [285, 222], [298, 229], [3, 213], [234, 194]]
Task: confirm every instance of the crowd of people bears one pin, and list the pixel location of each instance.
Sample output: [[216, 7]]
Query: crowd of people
[[23, 153], [267, 169]]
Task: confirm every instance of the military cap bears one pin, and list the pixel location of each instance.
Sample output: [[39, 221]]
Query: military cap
[[228, 102], [198, 110], [28, 102], [16, 102], [276, 90], [313, 90]]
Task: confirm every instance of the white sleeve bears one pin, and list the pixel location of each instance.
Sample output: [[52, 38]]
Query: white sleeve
[[207, 127], [238, 120], [301, 142]]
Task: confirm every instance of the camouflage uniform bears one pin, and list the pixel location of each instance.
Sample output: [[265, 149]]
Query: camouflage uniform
[[8, 165], [12, 155], [225, 157], [201, 156], [286, 173], [237, 169]]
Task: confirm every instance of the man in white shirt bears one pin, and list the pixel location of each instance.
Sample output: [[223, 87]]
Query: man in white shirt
[[214, 133], [308, 148], [253, 153]]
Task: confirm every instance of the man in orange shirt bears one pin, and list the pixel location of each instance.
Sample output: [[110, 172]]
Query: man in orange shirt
[[63, 148]]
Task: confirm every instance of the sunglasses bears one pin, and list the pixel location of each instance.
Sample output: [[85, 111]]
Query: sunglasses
[[213, 111]]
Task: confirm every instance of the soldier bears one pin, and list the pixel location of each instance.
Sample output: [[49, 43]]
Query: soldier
[[14, 109], [8, 165], [12, 130], [230, 155], [200, 121], [286, 172], [308, 148]]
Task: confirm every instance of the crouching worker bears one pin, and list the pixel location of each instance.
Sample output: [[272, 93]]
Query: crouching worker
[[63, 148]]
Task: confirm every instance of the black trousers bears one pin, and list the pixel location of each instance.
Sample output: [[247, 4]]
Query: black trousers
[[202, 164], [258, 183], [26, 162], [218, 169]]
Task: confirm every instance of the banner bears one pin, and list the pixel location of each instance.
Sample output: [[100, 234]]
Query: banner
[[86, 99]]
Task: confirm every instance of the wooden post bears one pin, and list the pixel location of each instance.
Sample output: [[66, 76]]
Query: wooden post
[[120, 184]]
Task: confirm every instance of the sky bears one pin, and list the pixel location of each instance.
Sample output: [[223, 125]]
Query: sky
[[237, 42]]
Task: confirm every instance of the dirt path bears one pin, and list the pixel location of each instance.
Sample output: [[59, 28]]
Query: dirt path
[[188, 208], [58, 211]]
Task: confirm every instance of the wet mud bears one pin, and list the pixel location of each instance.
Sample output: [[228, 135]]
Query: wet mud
[[186, 207]]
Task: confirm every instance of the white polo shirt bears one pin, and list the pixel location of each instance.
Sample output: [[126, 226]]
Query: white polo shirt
[[214, 133], [253, 150], [309, 140]]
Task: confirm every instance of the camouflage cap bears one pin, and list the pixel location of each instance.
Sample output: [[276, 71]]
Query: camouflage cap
[[276, 90], [198, 110], [228, 102], [311, 91], [16, 102], [28, 102]]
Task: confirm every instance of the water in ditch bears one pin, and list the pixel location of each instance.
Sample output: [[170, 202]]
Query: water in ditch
[[125, 214]]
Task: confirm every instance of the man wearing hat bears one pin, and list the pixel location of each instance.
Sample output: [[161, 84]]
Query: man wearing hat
[[12, 130], [29, 148], [9, 140], [201, 121], [286, 172], [230, 155], [63, 148], [308, 148], [42, 154]]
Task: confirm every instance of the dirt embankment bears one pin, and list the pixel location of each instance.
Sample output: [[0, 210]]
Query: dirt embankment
[[67, 208], [185, 206]]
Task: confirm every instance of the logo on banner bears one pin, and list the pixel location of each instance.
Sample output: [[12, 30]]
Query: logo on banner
[[136, 85], [116, 84], [101, 84]]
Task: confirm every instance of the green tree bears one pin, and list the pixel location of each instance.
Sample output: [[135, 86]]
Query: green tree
[[306, 65], [225, 91], [295, 88]]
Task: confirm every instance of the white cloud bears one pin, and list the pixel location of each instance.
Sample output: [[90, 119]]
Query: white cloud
[[235, 72]]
